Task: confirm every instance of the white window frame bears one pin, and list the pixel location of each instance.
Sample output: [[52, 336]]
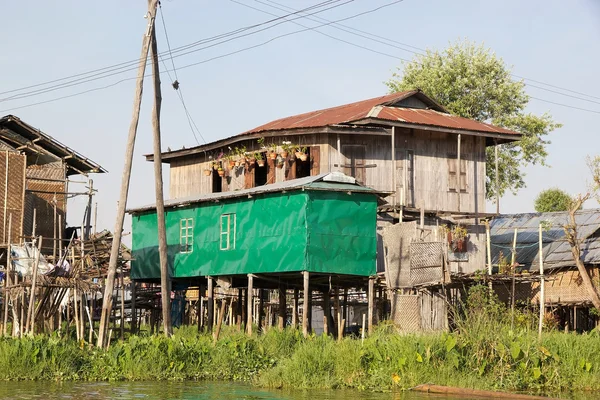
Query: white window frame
[[227, 234], [186, 235]]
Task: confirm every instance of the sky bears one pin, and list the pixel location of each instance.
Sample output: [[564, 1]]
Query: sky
[[554, 42]]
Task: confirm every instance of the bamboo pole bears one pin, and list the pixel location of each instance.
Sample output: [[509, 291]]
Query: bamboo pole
[[54, 243], [489, 252], [542, 300], [7, 278], [133, 325], [118, 231], [326, 312], [165, 280], [513, 267], [30, 323], [122, 303]]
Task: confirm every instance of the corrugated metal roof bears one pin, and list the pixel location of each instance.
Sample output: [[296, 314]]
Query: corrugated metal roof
[[33, 139], [381, 108], [556, 250], [330, 181]]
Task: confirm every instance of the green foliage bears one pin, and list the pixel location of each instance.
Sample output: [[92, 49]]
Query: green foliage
[[551, 200], [484, 352], [472, 82]]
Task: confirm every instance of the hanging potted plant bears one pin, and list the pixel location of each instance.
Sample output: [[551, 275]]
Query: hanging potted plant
[[279, 162], [273, 151], [301, 153], [215, 165], [286, 146], [259, 159], [207, 171], [459, 239], [221, 171]]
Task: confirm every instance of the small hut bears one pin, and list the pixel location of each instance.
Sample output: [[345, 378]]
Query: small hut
[[317, 231]]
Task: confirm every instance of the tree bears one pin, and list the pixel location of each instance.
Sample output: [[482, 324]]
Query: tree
[[470, 81], [570, 229], [551, 200]]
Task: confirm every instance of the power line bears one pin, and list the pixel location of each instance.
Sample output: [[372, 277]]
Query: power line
[[175, 83], [566, 105], [331, 23], [371, 36], [283, 19], [125, 66], [193, 64]]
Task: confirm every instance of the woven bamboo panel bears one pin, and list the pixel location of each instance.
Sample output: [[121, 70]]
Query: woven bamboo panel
[[426, 262], [12, 204], [406, 312], [40, 196]]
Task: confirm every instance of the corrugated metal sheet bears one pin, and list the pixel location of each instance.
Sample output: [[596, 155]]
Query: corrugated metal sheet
[[329, 181], [436, 118], [556, 250], [18, 133], [379, 108]]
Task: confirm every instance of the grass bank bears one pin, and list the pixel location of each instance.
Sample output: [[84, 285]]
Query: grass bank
[[501, 359], [487, 351]]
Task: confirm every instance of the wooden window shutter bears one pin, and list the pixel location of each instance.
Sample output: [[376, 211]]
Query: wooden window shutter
[[315, 159], [463, 174], [248, 176], [290, 171], [355, 162], [270, 165], [452, 176]]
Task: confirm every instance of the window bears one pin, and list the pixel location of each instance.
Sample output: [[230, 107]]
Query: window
[[186, 235], [457, 180], [217, 182], [227, 232], [405, 175], [355, 162]]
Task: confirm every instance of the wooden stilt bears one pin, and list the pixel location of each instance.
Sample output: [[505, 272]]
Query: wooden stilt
[[371, 304], [336, 310], [211, 304], [261, 310], [199, 308], [250, 305], [326, 312], [305, 305], [133, 309], [295, 309], [240, 309], [282, 308]]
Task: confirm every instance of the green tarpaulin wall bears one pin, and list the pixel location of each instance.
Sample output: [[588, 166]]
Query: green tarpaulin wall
[[309, 230]]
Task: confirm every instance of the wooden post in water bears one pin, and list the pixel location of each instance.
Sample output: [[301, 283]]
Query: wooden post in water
[[250, 305], [326, 312], [240, 309], [282, 308], [305, 305], [129, 148], [210, 295]]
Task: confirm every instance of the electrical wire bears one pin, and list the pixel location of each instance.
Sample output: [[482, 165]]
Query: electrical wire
[[196, 63], [176, 84], [132, 65], [283, 19]]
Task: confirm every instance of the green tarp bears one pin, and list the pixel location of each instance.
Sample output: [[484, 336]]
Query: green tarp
[[316, 231]]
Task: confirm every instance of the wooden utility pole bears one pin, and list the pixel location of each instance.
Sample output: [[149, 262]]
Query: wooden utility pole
[[118, 231], [165, 281]]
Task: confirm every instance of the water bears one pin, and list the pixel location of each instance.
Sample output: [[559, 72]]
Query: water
[[182, 390]]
